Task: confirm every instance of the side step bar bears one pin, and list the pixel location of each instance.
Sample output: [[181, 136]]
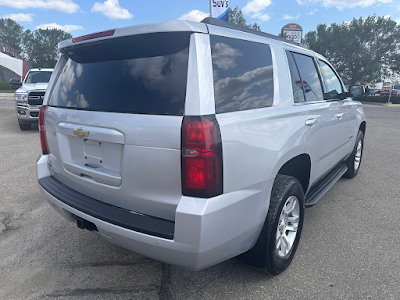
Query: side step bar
[[321, 187]]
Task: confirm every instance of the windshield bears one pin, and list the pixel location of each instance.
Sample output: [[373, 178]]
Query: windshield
[[38, 77]]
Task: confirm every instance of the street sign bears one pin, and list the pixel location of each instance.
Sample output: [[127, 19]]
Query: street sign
[[219, 9], [293, 32]]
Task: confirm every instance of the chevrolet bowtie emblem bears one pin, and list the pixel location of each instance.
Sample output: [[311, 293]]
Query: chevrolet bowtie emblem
[[80, 132]]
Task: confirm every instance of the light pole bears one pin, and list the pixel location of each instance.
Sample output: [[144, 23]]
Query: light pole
[[390, 86]]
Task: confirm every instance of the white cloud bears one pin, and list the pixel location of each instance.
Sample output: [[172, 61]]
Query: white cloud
[[343, 4], [254, 8], [67, 28], [288, 17], [112, 10], [398, 21], [194, 15], [19, 17], [312, 12], [262, 17], [67, 6]]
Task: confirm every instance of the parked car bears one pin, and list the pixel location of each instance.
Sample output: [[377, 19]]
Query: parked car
[[192, 143], [385, 92], [395, 92], [372, 91], [29, 97]]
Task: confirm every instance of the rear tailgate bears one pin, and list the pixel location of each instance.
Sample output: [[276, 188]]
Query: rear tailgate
[[113, 124]]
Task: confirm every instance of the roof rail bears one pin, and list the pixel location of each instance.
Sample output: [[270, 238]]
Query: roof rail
[[218, 22]]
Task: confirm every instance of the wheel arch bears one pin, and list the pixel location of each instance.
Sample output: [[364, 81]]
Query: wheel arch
[[363, 127], [298, 167]]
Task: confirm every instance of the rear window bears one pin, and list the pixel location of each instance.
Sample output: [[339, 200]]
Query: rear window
[[242, 73], [143, 74]]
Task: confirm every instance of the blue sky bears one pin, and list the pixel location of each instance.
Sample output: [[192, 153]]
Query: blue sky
[[80, 17]]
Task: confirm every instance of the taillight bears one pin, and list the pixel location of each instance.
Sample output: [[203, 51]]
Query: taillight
[[42, 132], [201, 157]]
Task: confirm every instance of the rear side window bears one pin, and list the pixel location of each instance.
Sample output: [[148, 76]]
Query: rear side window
[[139, 74], [309, 77], [242, 71]]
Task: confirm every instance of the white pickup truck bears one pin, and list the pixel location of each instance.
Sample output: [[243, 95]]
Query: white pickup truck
[[29, 97]]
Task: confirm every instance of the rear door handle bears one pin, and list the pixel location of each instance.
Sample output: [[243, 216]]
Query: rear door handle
[[339, 115], [311, 121]]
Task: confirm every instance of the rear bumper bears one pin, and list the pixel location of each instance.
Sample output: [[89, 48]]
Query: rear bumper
[[205, 231], [106, 212]]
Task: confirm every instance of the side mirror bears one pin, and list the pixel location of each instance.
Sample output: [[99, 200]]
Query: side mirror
[[15, 81], [357, 90], [345, 95]]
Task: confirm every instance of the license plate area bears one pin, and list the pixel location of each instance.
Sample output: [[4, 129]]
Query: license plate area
[[97, 156], [93, 152]]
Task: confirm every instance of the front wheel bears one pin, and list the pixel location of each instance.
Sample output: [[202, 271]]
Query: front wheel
[[354, 161], [280, 236]]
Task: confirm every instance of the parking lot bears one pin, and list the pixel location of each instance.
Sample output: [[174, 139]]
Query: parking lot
[[350, 245]]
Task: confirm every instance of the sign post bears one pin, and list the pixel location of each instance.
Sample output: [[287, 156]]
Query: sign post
[[219, 9], [292, 32]]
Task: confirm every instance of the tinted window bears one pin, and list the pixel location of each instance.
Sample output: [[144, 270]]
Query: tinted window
[[141, 74], [297, 86], [38, 76], [309, 76], [332, 81], [243, 76]]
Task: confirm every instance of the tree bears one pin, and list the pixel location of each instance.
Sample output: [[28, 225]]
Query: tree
[[236, 17], [41, 46], [11, 34], [359, 50], [280, 34]]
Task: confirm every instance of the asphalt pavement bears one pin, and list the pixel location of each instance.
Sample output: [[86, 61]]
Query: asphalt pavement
[[6, 97], [349, 247]]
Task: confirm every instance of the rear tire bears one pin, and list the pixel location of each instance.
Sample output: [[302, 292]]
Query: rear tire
[[24, 126], [354, 161], [280, 236]]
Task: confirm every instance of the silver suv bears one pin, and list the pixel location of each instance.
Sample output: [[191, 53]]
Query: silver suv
[[29, 97], [192, 143]]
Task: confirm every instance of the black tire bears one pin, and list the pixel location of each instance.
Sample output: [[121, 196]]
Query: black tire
[[265, 254], [24, 126], [352, 168]]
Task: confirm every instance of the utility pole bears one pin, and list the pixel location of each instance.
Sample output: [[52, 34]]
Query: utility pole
[[390, 84]]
